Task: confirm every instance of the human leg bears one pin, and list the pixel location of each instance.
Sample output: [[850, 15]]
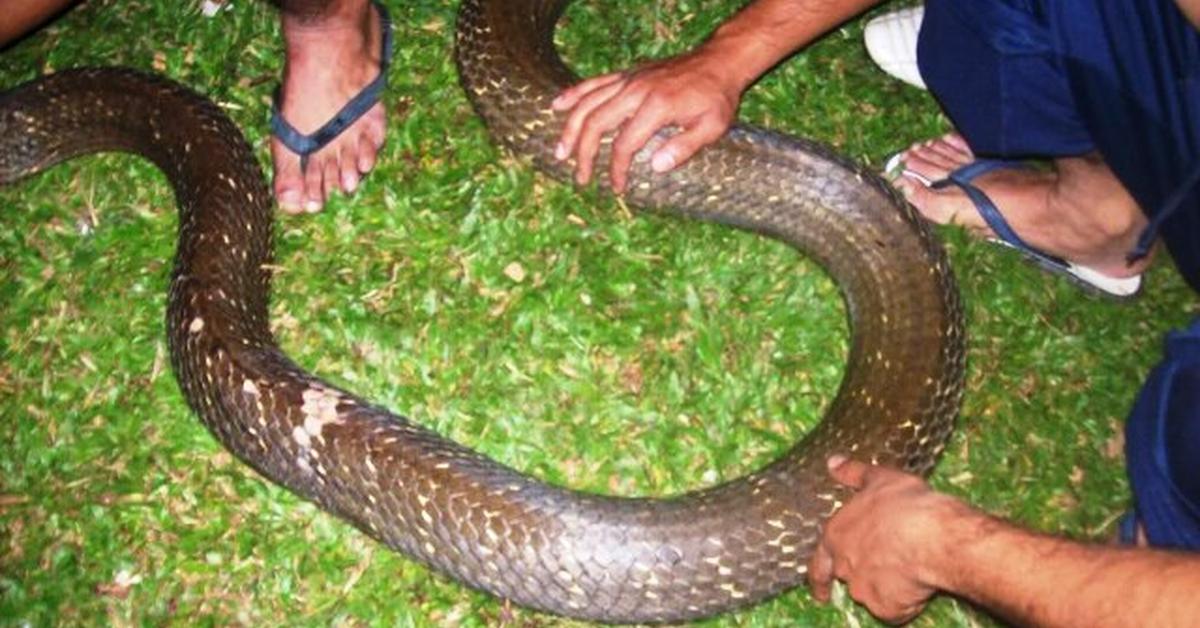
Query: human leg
[[1002, 87], [1130, 73], [1133, 68], [1118, 80], [334, 50]]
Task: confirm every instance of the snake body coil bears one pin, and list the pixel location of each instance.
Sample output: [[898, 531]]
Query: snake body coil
[[488, 526]]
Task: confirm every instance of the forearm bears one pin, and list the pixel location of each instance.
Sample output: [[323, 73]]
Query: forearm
[[22, 16], [1033, 579], [765, 32], [1190, 8]]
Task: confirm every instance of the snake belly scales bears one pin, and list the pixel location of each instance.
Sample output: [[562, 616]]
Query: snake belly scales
[[605, 558]]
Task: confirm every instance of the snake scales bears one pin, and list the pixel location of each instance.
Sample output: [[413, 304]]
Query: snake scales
[[488, 526]]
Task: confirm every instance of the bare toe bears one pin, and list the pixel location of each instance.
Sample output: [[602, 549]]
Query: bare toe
[[366, 158], [958, 143], [930, 164], [951, 151], [372, 138], [288, 182], [348, 174], [330, 178], [949, 207], [314, 192]]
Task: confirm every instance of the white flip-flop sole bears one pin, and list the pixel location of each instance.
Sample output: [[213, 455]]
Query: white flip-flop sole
[[891, 41], [1088, 278]]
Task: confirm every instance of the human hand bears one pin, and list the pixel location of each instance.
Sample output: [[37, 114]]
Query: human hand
[[888, 543], [689, 92]]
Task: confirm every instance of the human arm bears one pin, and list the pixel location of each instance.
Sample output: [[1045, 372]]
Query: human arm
[[897, 542], [697, 92], [22, 16], [1191, 9]]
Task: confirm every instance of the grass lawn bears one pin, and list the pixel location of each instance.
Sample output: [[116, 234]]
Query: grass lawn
[[544, 326]]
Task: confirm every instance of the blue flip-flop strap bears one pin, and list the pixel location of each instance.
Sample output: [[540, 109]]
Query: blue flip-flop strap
[[964, 178], [1170, 206], [305, 145]]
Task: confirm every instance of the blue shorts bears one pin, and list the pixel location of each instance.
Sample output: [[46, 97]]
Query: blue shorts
[[1162, 445], [1057, 78]]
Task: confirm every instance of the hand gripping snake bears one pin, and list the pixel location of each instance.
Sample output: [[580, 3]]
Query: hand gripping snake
[[490, 527]]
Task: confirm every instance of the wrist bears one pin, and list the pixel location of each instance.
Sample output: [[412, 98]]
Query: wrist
[[736, 58], [955, 527]]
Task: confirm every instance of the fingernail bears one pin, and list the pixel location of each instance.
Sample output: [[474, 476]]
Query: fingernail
[[560, 151], [557, 102], [349, 184], [835, 461], [662, 161], [312, 206]]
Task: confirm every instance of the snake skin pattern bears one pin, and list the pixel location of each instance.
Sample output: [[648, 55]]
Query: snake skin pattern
[[589, 556]]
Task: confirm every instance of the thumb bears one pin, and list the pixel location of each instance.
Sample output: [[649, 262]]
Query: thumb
[[683, 145], [820, 572], [851, 473]]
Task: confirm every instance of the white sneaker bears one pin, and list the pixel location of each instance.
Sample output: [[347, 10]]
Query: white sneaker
[[891, 41]]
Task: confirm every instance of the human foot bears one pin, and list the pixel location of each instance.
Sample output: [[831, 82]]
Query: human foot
[[1076, 211], [330, 59]]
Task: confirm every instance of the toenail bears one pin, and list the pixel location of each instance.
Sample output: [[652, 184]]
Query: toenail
[[911, 176], [289, 199]]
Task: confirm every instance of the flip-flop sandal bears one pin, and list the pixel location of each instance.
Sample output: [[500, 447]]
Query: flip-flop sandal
[[964, 177], [891, 41], [305, 145]]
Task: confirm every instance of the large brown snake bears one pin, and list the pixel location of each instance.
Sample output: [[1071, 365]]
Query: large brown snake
[[488, 526]]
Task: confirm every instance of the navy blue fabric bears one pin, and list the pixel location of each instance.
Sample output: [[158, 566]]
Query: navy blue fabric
[[993, 67], [1054, 78], [1162, 445]]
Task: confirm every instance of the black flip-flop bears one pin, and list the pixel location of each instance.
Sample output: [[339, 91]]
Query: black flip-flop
[[305, 145]]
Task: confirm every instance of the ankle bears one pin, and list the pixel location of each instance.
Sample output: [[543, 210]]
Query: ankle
[[343, 22], [332, 44], [1091, 197]]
